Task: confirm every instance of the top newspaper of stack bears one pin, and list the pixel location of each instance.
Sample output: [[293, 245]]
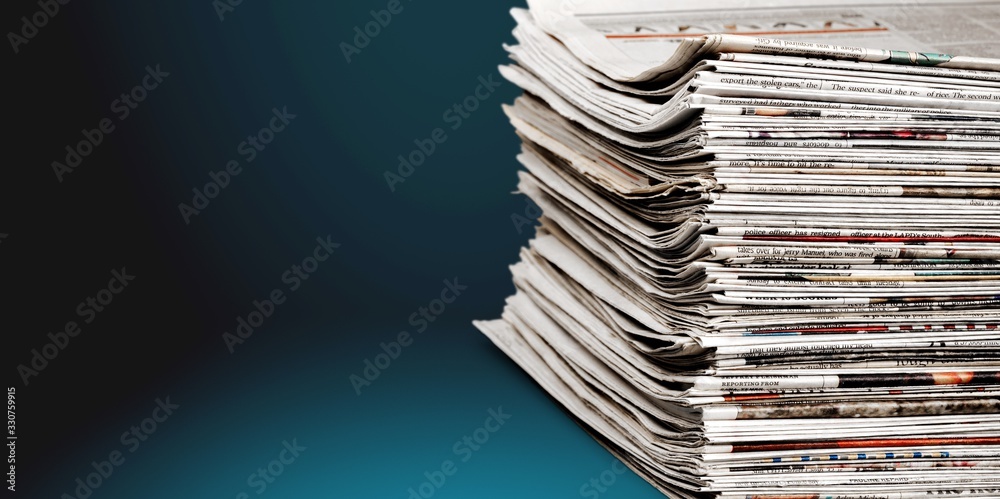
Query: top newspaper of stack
[[647, 41]]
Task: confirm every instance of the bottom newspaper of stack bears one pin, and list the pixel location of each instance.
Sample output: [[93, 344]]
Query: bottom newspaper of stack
[[756, 349]]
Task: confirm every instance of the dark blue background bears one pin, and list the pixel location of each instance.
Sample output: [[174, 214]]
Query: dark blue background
[[323, 175]]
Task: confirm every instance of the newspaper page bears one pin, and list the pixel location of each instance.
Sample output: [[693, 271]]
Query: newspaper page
[[641, 40]]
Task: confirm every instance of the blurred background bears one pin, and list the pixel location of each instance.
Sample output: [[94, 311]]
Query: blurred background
[[210, 154]]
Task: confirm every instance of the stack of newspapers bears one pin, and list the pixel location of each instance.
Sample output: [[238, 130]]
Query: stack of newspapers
[[768, 264]]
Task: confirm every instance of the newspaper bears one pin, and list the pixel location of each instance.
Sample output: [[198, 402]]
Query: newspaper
[[768, 263], [643, 40]]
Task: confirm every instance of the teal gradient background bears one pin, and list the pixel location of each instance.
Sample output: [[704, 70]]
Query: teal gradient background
[[323, 175]]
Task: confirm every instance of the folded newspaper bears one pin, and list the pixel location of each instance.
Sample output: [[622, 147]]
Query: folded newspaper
[[768, 264]]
